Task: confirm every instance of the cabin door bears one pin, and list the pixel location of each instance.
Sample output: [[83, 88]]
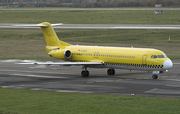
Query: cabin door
[[144, 59]]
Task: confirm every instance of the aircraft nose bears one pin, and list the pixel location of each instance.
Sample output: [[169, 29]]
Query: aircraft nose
[[167, 64]]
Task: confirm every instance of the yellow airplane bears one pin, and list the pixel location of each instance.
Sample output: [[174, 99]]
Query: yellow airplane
[[103, 57]]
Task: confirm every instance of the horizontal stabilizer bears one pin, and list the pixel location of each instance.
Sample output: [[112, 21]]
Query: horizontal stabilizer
[[35, 25]]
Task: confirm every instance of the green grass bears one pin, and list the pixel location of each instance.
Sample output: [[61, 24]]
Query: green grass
[[30, 42], [44, 102], [90, 16], [27, 43]]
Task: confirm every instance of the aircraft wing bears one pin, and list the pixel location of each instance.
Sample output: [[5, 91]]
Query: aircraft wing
[[64, 63]]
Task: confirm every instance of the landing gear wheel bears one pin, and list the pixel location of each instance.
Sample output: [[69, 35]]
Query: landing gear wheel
[[110, 71], [85, 73], [154, 76]]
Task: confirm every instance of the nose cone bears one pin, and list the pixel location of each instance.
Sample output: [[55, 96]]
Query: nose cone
[[167, 64]]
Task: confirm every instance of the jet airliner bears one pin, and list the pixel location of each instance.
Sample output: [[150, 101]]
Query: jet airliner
[[112, 58]]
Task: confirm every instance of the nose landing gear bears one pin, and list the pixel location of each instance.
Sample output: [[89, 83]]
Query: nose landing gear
[[154, 76]]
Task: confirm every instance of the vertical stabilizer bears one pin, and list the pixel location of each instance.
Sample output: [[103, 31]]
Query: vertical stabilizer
[[50, 35]]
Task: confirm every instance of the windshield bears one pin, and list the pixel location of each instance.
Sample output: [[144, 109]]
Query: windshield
[[158, 56]]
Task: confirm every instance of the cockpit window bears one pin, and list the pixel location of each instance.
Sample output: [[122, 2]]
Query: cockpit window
[[165, 56], [155, 56], [160, 56]]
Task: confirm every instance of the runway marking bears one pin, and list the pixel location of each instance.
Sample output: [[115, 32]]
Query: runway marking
[[18, 60], [36, 89], [133, 77], [149, 78], [89, 82], [170, 79], [40, 66], [108, 80], [13, 87], [39, 76], [163, 91], [172, 85], [36, 72], [39, 89], [93, 75], [119, 80], [70, 91], [55, 68], [99, 81], [6, 86], [176, 63], [129, 79]]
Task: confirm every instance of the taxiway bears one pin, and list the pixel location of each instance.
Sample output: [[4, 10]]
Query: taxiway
[[68, 79], [94, 26]]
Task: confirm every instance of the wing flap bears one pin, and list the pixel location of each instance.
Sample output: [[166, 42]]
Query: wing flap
[[63, 63]]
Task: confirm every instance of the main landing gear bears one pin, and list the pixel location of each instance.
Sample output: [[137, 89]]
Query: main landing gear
[[85, 73], [111, 71]]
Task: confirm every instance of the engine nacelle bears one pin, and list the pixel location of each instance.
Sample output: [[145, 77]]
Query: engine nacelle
[[67, 54], [60, 54]]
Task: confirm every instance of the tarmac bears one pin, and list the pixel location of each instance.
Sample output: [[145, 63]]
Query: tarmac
[[93, 26], [68, 79]]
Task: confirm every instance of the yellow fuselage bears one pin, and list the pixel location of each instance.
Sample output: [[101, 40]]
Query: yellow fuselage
[[136, 57], [104, 57]]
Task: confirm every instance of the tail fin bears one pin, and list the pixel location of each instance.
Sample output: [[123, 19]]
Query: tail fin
[[48, 32], [50, 35]]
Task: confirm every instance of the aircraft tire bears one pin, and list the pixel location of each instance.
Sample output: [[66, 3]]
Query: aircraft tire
[[110, 71], [85, 73], [154, 76]]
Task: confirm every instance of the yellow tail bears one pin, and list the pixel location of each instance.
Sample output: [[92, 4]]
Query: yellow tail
[[50, 36]]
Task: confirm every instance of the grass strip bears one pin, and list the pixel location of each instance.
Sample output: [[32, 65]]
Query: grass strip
[[91, 16], [30, 42], [38, 102]]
